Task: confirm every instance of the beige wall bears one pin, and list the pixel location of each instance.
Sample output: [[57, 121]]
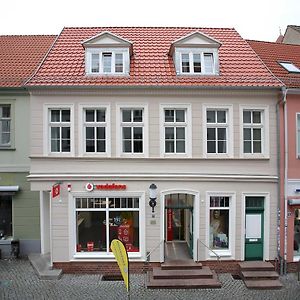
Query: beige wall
[[196, 174]]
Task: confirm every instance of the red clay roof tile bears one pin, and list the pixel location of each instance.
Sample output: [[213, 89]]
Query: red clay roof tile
[[20, 56], [273, 53], [150, 63]]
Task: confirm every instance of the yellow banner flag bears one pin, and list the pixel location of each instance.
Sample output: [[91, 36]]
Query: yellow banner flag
[[121, 256]]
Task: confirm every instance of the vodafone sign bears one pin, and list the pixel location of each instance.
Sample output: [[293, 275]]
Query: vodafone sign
[[108, 186]]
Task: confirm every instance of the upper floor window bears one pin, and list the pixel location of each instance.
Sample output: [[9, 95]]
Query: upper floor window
[[132, 130], [217, 131], [60, 130], [5, 125], [196, 61], [175, 127], [253, 129], [107, 63], [95, 125]]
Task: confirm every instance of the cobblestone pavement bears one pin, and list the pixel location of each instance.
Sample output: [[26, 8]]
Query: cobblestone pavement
[[19, 281]]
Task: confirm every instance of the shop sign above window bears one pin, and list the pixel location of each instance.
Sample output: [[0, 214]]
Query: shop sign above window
[[108, 186]]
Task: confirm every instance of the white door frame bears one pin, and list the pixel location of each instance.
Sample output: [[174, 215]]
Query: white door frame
[[196, 213]]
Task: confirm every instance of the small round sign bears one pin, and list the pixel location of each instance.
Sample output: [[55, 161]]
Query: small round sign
[[89, 187]]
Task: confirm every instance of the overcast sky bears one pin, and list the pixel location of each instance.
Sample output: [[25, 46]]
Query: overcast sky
[[253, 19]]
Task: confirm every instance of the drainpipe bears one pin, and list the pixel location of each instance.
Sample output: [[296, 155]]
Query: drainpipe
[[285, 91]]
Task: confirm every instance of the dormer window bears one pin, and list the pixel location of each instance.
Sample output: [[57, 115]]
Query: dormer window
[[104, 62], [107, 54], [196, 54], [196, 62]]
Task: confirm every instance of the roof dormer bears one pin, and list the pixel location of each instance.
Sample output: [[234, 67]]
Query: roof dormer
[[107, 54], [196, 54]]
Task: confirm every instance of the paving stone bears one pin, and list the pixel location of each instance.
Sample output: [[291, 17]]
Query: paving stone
[[18, 281]]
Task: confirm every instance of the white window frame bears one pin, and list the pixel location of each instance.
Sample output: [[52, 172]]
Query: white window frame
[[230, 252], [297, 136], [11, 122], [47, 128], [113, 51], [191, 52], [144, 125], [81, 129], [290, 67], [228, 125], [265, 132], [187, 124], [139, 256]]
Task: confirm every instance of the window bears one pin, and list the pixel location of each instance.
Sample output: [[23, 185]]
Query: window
[[5, 217], [60, 130], [253, 131], [103, 61], [219, 217], [5, 125], [100, 220], [132, 130], [196, 61], [175, 127], [95, 125], [290, 67], [216, 131]]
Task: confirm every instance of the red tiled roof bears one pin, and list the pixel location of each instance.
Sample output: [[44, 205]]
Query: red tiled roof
[[150, 63], [20, 56], [272, 53]]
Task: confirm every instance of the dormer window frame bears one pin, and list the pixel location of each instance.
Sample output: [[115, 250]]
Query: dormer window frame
[[191, 52], [113, 51]]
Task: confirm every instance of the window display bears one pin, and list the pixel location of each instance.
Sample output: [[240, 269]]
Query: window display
[[5, 217], [100, 220], [297, 233], [219, 223]]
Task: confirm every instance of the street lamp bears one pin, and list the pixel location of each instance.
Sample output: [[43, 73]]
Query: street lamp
[[152, 196]]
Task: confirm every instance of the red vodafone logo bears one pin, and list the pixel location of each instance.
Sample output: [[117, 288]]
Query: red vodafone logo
[[89, 187]]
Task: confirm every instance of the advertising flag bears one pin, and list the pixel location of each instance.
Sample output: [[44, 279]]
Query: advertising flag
[[121, 256], [55, 190]]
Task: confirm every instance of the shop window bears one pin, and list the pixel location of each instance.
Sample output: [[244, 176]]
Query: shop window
[[297, 233], [5, 217], [100, 220], [219, 214]]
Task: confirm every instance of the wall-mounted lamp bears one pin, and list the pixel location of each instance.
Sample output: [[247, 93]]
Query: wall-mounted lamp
[[153, 196]]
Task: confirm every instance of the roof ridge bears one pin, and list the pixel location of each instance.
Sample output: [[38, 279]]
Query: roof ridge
[[277, 43], [145, 27], [27, 35]]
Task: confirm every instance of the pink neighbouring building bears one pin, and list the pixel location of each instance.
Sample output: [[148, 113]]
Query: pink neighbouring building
[[283, 60]]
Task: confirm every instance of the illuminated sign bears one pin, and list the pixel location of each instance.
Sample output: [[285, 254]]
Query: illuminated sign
[[108, 186]]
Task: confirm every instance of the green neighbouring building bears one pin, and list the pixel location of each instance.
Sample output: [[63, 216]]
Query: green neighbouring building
[[19, 207]]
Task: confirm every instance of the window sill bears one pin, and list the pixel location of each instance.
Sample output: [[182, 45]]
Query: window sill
[[221, 253], [254, 156], [104, 256], [2, 148]]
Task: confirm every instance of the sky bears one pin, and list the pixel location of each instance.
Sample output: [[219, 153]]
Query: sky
[[253, 19]]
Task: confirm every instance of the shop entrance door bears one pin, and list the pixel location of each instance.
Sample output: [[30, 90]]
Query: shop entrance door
[[254, 230], [179, 226]]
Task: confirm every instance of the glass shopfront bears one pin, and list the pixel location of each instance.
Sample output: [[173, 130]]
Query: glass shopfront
[[100, 220], [5, 217], [219, 222], [297, 233]]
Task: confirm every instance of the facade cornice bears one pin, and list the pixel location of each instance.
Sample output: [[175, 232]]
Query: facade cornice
[[155, 91], [152, 176]]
